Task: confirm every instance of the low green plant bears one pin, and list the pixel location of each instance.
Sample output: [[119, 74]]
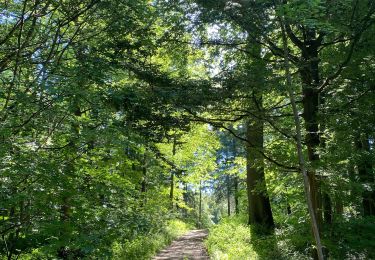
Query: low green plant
[[352, 239], [232, 239]]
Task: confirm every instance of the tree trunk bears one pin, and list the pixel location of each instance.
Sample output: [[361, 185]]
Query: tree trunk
[[366, 177], [171, 193], [228, 194], [310, 190], [324, 195], [144, 181], [339, 207], [236, 196], [259, 207], [200, 205], [186, 200], [327, 208], [310, 82]]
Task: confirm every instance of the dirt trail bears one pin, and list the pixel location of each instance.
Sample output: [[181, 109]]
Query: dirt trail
[[189, 246]]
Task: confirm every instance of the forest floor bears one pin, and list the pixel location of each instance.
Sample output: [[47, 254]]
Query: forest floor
[[188, 246]]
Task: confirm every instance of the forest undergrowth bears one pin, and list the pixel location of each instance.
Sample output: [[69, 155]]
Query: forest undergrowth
[[233, 239]]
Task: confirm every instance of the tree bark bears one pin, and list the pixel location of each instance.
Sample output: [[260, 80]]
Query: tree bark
[[171, 193], [144, 181], [200, 205], [366, 177], [310, 190], [228, 194], [327, 208], [236, 196], [259, 207], [310, 78], [186, 200]]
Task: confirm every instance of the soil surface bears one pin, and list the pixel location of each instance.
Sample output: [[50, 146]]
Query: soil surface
[[188, 246]]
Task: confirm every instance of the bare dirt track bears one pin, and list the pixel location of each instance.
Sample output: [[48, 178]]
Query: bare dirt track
[[189, 246]]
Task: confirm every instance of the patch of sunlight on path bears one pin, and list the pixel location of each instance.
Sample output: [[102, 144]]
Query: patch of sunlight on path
[[189, 246]]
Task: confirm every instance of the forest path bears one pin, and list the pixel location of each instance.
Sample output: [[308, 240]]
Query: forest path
[[188, 246]]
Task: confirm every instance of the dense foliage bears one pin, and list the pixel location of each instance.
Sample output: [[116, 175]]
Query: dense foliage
[[121, 121]]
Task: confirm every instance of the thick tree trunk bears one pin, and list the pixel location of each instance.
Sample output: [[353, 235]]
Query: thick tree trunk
[[310, 80], [308, 187], [259, 207]]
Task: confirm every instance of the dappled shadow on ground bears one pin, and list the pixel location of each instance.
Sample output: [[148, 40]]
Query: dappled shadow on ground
[[189, 246]]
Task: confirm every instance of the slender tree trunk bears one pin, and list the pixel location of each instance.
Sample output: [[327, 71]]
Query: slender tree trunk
[[171, 193], [200, 205], [235, 180], [339, 207], [228, 193], [186, 200], [66, 197], [324, 196], [65, 212], [236, 196], [9, 245], [144, 181], [327, 208]]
